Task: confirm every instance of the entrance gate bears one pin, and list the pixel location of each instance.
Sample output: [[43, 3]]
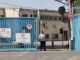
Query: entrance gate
[[10, 31]]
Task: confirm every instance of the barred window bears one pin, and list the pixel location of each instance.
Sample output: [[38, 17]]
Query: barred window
[[47, 36]]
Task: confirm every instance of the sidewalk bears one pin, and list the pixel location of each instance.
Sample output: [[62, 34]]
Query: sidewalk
[[40, 55]]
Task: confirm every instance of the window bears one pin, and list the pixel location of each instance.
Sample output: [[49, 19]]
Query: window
[[47, 36], [44, 23], [24, 15], [42, 17], [65, 35], [50, 17], [59, 18], [65, 19], [46, 17], [61, 30], [54, 36], [55, 18], [35, 15]]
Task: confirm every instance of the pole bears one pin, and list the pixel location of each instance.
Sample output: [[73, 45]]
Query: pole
[[38, 19], [62, 35], [70, 25]]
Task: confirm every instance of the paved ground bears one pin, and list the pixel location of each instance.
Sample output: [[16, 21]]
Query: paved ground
[[40, 55], [53, 53]]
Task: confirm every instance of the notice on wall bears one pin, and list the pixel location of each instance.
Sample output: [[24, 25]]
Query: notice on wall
[[5, 32], [23, 38]]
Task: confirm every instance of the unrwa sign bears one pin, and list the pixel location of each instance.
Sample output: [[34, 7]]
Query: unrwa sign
[[23, 38], [5, 32], [29, 26]]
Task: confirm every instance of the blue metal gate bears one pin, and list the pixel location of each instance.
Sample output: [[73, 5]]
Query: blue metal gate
[[76, 32], [17, 25]]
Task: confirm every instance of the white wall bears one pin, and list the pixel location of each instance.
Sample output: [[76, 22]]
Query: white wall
[[11, 12]]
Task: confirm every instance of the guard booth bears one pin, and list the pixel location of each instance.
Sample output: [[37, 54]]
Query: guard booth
[[76, 25], [18, 34]]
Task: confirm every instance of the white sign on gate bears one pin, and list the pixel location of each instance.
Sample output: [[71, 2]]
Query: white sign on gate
[[5, 32], [23, 38]]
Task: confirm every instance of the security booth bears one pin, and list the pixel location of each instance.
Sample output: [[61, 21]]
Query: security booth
[[76, 25], [18, 34]]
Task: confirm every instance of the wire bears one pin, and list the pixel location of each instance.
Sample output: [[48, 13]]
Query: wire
[[16, 5], [10, 4], [61, 2]]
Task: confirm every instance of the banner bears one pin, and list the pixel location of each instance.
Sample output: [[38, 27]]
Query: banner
[[23, 37], [5, 32]]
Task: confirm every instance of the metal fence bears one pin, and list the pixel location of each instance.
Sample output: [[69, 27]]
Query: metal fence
[[17, 25]]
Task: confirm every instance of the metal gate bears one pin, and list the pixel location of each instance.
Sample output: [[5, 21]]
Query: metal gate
[[8, 29], [76, 32]]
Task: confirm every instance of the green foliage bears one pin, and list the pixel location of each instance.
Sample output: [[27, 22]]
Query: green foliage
[[78, 2]]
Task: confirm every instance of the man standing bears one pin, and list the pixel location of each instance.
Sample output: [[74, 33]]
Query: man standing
[[42, 41]]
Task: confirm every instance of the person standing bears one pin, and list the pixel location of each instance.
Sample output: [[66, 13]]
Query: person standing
[[42, 41]]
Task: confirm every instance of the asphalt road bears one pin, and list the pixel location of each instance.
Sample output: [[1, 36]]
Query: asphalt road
[[40, 55]]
